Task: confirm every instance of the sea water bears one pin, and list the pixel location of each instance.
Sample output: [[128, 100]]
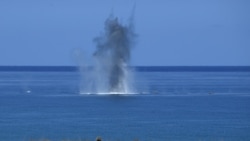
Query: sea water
[[185, 103]]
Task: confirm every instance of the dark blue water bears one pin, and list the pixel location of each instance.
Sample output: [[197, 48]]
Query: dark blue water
[[171, 104]]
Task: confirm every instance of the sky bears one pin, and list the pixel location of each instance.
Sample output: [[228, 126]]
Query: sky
[[170, 32]]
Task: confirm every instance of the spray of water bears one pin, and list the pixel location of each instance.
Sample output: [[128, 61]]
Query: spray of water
[[112, 56]]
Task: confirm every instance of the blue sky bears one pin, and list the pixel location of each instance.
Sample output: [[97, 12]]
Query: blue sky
[[171, 32]]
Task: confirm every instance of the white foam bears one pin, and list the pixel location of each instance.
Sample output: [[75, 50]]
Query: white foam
[[110, 93]]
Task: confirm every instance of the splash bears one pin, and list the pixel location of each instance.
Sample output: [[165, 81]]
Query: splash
[[112, 56]]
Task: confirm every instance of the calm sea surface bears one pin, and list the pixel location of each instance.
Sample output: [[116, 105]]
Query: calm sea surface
[[172, 103]]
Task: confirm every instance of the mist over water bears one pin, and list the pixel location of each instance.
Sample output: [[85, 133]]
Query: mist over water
[[111, 73]]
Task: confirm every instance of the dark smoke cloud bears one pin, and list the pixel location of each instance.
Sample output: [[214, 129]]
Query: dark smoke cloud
[[113, 51]]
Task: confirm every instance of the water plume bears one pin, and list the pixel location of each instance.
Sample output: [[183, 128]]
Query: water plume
[[112, 55]]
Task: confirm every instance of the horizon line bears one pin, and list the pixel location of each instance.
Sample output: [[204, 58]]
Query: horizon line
[[135, 68]]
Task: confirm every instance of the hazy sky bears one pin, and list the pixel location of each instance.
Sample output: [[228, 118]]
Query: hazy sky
[[170, 32]]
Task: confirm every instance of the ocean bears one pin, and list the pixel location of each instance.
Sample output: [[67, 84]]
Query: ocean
[[170, 103]]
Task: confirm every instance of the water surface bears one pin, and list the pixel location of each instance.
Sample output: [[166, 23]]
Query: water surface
[[170, 104]]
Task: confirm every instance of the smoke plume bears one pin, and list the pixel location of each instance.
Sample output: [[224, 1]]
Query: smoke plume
[[113, 52]]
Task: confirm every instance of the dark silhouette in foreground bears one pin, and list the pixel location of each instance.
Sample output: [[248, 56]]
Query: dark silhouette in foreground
[[98, 139]]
